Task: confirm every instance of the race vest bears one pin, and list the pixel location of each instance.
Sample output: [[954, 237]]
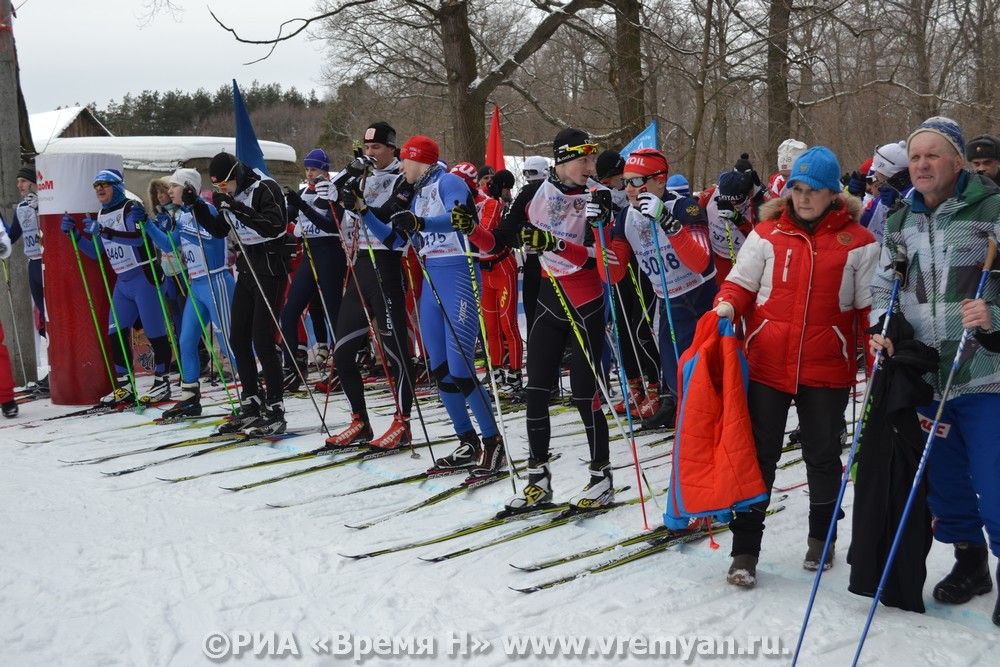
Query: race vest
[[565, 217], [721, 231], [191, 249], [679, 278], [377, 190], [27, 215], [427, 203], [247, 235], [304, 225], [122, 257]]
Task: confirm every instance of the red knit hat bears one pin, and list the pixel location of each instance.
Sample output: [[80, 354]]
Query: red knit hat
[[467, 172], [647, 161], [420, 148]]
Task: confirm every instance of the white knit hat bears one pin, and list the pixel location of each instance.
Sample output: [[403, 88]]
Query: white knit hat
[[890, 159], [788, 151], [185, 177]]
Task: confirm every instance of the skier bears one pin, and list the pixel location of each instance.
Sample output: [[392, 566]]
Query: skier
[[25, 228], [943, 227], [373, 287], [788, 150], [549, 216], [135, 296], [211, 281], [801, 281], [681, 250], [310, 209], [250, 205], [732, 208], [450, 326], [7, 403], [892, 180]]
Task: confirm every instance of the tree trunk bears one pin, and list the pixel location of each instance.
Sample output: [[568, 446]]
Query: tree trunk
[[779, 107], [17, 319], [919, 20], [467, 105], [699, 91], [625, 74]]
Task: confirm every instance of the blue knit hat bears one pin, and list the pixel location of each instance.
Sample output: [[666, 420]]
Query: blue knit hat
[[818, 168], [112, 176], [317, 159], [944, 127], [677, 183]]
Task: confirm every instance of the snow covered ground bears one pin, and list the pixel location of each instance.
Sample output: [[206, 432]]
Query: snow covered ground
[[133, 570]]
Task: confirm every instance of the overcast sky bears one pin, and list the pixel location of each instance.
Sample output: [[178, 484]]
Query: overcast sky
[[82, 51]]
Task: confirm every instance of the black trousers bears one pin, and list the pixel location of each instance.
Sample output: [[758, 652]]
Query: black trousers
[[821, 418], [642, 358], [548, 338], [252, 330], [387, 306]]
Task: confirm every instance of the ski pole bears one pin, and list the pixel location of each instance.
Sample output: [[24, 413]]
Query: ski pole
[[621, 371], [98, 252], [201, 321], [663, 286], [13, 320], [319, 290], [163, 305], [632, 338], [899, 275], [90, 303], [991, 253]]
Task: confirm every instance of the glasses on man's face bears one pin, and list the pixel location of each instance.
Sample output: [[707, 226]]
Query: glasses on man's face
[[221, 185], [639, 181], [582, 149], [101, 185]]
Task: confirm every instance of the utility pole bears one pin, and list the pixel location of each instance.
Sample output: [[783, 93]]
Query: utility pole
[[16, 312]]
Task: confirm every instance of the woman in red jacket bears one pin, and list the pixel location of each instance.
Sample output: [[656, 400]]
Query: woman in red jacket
[[801, 281]]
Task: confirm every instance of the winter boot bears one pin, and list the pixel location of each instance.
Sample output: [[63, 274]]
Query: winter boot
[[537, 492], [10, 409], [633, 400], [397, 436], [743, 571], [160, 391], [358, 432], [290, 379], [599, 492], [492, 458], [246, 414], [814, 552], [189, 404], [651, 405], [466, 455], [121, 394], [665, 417], [969, 577], [270, 422]]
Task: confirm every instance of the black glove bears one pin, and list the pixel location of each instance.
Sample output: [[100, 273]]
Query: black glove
[[599, 208], [407, 222], [541, 240], [360, 166], [189, 196], [293, 198], [856, 184], [462, 219], [352, 198], [223, 201]]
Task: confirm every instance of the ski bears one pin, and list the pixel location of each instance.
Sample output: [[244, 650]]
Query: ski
[[655, 546], [189, 442], [639, 538]]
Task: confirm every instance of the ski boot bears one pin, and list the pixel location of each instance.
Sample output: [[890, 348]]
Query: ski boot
[[743, 571], [651, 404], [10, 409], [290, 379], [969, 577], [358, 433], [665, 417], [633, 400], [492, 458], [330, 384], [397, 436], [513, 387], [599, 492], [814, 552], [160, 391], [246, 414], [40, 388], [120, 395], [466, 455], [537, 493], [189, 404], [322, 354], [270, 422]]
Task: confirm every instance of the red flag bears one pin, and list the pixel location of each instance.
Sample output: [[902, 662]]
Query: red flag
[[494, 144]]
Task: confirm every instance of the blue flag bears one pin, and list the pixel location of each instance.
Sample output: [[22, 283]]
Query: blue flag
[[645, 139], [247, 149]]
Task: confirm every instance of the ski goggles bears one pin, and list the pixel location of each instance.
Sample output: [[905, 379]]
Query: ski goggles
[[221, 185], [566, 153], [639, 181]]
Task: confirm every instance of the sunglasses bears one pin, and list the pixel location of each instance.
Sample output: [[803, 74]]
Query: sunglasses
[[100, 185], [639, 181], [581, 150], [220, 185]]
